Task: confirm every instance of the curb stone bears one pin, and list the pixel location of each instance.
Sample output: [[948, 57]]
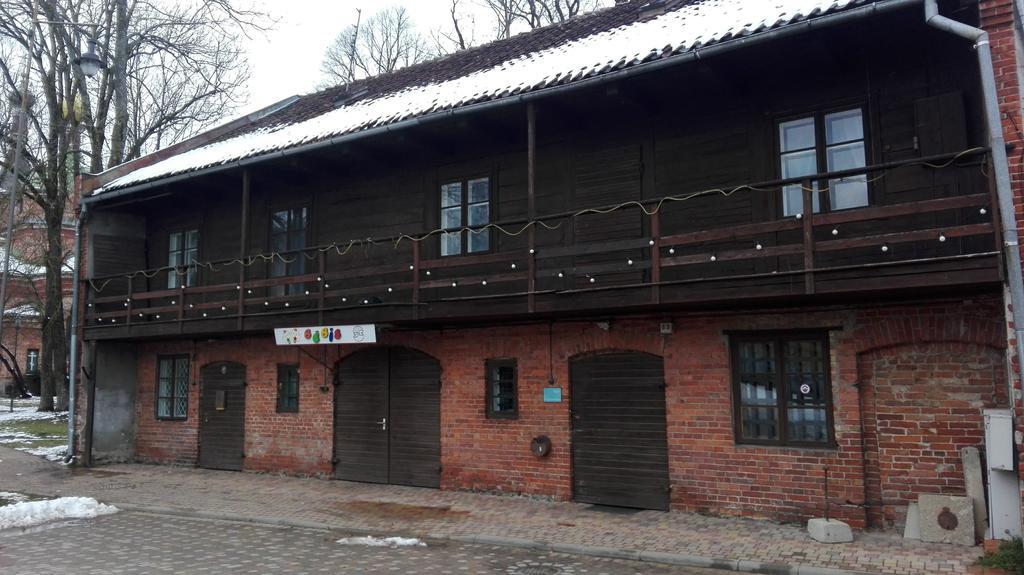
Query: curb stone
[[680, 559]]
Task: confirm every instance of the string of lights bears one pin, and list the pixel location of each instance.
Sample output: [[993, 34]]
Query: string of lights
[[343, 248]]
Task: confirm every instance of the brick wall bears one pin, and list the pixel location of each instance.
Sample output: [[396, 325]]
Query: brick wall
[[958, 345]]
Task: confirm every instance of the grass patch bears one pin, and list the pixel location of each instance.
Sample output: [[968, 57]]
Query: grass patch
[[34, 433], [1009, 557]]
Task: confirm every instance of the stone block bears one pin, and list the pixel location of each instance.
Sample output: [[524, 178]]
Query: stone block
[[974, 480], [947, 519], [829, 530], [912, 529]]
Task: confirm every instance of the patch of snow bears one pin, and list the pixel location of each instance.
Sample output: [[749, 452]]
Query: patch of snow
[[12, 497], [55, 453], [16, 437], [30, 513], [27, 413], [688, 28], [392, 542]]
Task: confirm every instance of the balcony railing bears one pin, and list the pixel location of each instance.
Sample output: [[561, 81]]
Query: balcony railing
[[931, 241]]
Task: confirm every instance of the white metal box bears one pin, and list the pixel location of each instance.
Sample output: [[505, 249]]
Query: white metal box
[[999, 439]]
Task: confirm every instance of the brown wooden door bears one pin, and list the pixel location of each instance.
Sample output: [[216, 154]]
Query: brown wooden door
[[222, 416], [619, 443], [387, 418]]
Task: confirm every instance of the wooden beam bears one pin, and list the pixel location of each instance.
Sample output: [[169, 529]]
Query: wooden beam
[[531, 201], [243, 243]]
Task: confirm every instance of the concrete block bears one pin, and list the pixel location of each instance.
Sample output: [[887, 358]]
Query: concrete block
[[912, 529], [946, 519], [829, 530], [974, 480]]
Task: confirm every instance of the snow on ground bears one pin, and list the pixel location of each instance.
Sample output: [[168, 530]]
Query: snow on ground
[[26, 411], [30, 513], [392, 542], [8, 497], [15, 437], [55, 453]]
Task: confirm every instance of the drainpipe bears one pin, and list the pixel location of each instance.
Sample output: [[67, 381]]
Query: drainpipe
[[1000, 165], [73, 368]]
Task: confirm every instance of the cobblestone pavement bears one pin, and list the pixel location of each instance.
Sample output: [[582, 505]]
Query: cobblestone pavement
[[140, 543], [428, 512]]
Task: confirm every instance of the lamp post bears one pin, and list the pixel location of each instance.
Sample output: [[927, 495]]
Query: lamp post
[[90, 63]]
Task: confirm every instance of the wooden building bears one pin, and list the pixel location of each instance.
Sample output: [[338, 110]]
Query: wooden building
[[669, 255]]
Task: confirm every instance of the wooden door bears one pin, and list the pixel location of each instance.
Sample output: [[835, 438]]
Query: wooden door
[[415, 419], [387, 418], [222, 413], [360, 417], [619, 443]]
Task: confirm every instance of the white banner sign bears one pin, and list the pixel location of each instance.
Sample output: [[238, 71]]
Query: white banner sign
[[326, 334]]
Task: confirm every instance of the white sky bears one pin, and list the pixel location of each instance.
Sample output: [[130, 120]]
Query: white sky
[[286, 60]]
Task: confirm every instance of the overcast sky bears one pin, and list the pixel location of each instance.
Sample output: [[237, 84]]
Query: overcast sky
[[286, 60]]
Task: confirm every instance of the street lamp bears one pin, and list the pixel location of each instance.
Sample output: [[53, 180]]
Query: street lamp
[[89, 62]]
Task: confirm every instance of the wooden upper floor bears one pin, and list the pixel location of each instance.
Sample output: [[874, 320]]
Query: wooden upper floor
[[839, 165]]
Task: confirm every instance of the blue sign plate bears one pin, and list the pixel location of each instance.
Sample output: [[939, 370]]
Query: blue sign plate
[[552, 395]]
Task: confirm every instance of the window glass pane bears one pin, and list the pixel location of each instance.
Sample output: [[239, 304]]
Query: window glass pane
[[845, 156], [479, 214], [163, 407], [297, 239], [799, 164], [299, 219], [844, 127], [757, 357], [451, 244], [848, 193], [451, 217], [796, 135], [451, 195], [166, 368], [192, 239], [279, 222], [180, 406], [759, 423], [479, 190], [479, 241], [793, 200], [503, 388], [807, 424], [174, 241]]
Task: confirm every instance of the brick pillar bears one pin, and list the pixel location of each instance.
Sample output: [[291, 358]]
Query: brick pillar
[[997, 18]]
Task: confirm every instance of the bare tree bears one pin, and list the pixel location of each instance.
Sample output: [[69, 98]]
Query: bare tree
[[174, 68], [387, 41], [507, 14], [460, 35]]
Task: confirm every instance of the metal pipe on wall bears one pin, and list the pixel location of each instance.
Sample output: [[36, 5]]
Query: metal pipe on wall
[[73, 351]]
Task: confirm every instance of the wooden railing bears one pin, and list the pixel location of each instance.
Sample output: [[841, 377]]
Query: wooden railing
[[805, 247]]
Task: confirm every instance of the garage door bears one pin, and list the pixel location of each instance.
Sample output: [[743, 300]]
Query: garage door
[[222, 413], [619, 444], [387, 418]]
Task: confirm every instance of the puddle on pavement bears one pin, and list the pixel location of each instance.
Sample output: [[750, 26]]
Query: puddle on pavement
[[390, 510]]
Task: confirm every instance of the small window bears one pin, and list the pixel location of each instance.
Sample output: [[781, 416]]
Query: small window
[[287, 388], [32, 362], [502, 393], [288, 231], [824, 143], [172, 387], [781, 389], [182, 256], [465, 203]]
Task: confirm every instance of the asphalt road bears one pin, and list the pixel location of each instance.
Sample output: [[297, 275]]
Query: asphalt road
[[143, 543]]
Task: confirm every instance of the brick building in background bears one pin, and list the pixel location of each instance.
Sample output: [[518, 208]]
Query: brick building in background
[[671, 255]]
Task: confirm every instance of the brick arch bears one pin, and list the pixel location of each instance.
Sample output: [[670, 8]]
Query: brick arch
[[921, 402], [609, 350], [934, 328]]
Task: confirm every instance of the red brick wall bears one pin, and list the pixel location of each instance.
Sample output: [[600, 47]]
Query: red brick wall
[[709, 472], [921, 407]]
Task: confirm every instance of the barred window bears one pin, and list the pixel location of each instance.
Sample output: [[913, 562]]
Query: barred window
[[172, 387], [781, 389], [502, 392], [287, 388]]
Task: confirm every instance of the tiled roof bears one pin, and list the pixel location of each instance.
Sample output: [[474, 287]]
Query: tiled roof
[[587, 46]]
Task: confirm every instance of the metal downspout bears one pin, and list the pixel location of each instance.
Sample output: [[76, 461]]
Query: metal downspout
[[1000, 166], [73, 367]]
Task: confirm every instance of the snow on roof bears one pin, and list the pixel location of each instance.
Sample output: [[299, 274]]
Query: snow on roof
[[623, 41]]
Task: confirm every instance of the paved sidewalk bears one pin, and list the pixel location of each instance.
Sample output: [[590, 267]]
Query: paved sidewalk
[[472, 517]]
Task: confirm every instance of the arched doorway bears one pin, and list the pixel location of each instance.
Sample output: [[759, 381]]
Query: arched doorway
[[619, 442], [387, 417], [222, 416]]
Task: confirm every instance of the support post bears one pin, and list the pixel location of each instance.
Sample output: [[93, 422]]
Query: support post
[[416, 278], [808, 217], [243, 247], [531, 203], [655, 258]]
